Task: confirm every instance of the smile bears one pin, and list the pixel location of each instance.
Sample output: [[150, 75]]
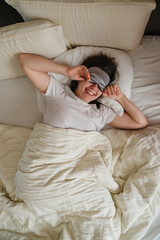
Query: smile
[[90, 93]]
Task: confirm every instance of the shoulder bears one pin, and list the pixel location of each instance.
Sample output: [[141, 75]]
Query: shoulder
[[55, 87]]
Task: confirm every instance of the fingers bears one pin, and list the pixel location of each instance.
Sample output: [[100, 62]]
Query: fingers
[[78, 73], [81, 73], [85, 73], [111, 91], [115, 87]]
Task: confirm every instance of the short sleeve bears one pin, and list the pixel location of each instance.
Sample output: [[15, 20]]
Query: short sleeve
[[109, 114], [55, 87]]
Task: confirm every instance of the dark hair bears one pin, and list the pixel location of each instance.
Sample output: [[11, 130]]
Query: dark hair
[[102, 61]]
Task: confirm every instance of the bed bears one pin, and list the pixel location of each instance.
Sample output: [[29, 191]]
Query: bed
[[69, 184]]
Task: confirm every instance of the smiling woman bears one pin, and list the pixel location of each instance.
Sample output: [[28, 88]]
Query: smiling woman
[[87, 91], [77, 107], [102, 70]]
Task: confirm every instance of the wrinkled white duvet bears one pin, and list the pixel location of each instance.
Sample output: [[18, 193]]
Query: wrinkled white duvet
[[84, 185]]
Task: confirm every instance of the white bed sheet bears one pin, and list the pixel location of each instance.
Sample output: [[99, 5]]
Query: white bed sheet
[[146, 95], [146, 84]]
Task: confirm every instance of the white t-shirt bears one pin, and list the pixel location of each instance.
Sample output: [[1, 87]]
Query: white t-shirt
[[63, 109]]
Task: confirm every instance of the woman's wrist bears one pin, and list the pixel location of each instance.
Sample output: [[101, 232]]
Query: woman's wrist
[[122, 99], [67, 72]]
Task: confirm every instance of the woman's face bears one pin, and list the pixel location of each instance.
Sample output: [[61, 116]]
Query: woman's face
[[87, 91]]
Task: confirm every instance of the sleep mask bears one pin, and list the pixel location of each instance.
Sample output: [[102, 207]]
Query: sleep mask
[[99, 77]]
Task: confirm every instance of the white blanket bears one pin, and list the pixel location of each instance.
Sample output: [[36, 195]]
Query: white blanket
[[85, 185]]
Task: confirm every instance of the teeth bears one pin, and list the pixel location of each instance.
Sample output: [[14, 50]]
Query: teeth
[[90, 93]]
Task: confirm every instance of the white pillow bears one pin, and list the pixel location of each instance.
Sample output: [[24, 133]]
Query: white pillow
[[76, 56], [18, 103], [107, 23], [40, 37]]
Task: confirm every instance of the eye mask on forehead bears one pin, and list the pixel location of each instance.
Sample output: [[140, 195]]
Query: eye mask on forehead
[[99, 77]]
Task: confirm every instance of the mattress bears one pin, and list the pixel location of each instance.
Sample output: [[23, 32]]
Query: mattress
[[145, 94]]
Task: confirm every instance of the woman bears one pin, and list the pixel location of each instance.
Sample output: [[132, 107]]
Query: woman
[[76, 107]]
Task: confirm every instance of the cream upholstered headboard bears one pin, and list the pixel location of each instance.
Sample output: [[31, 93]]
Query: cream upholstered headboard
[[106, 23], [10, 15]]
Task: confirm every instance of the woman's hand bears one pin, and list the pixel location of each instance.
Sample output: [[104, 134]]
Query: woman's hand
[[114, 92], [132, 118], [78, 73]]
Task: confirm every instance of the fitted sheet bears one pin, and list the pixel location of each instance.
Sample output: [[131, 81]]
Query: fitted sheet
[[146, 83]]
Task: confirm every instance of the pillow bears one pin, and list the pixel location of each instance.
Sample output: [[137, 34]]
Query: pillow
[[76, 56], [39, 37], [107, 23], [18, 103]]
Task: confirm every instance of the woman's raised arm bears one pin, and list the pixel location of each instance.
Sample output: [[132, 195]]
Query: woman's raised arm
[[132, 118], [37, 67]]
